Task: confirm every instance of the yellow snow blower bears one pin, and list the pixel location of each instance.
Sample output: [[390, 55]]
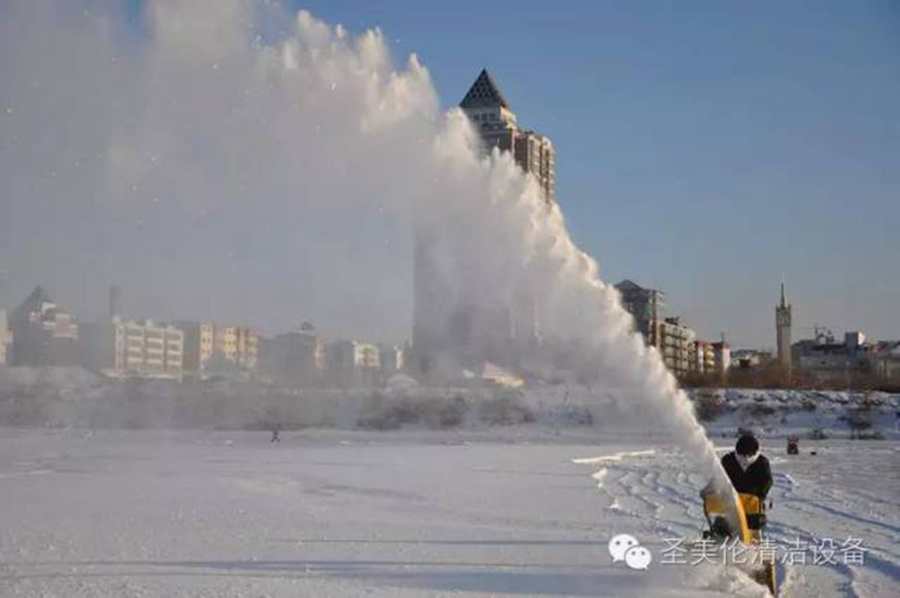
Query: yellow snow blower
[[742, 516]]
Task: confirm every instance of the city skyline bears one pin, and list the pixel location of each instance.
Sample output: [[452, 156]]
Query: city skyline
[[804, 196], [706, 150]]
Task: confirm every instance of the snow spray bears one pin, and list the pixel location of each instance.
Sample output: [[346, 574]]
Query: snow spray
[[244, 161]]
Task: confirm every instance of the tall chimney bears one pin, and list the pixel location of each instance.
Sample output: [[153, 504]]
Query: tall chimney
[[115, 302]]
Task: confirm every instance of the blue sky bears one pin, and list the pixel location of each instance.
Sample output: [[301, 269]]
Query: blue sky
[[704, 148]]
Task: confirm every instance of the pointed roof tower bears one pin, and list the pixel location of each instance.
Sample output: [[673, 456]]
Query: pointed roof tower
[[484, 93], [629, 285], [35, 300], [38, 295]]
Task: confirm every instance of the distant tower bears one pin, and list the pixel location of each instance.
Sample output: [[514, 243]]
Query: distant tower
[[783, 331]]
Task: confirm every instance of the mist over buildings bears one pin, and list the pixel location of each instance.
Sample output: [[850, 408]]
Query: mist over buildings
[[208, 171], [258, 165], [245, 163]]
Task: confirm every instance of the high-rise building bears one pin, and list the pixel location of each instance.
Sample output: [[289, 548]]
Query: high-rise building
[[44, 334], [468, 335], [674, 341], [646, 306], [489, 111], [783, 332]]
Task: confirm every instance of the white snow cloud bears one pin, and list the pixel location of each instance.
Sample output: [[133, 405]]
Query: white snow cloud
[[241, 163]]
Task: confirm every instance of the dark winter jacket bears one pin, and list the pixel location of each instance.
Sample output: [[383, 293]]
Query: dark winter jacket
[[756, 480]]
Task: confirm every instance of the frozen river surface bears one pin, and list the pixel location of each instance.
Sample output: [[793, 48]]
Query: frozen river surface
[[512, 513]]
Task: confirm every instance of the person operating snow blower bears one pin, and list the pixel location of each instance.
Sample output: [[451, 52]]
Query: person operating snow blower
[[747, 469], [751, 476], [745, 517]]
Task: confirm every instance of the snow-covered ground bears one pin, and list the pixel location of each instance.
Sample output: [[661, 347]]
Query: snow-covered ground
[[520, 511]]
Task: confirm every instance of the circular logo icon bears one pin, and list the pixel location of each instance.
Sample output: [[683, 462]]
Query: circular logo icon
[[638, 557], [619, 545]]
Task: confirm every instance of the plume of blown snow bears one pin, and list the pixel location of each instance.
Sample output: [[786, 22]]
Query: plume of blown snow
[[242, 163]]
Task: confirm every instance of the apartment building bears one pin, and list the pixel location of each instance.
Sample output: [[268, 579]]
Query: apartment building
[[209, 346], [294, 358], [146, 349], [676, 343]]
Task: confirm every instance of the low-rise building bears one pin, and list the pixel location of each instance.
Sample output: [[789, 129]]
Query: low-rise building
[[392, 359], [495, 375], [294, 358], [747, 359], [352, 363], [710, 358], [146, 349], [703, 358], [722, 355], [887, 362], [828, 361], [210, 346]]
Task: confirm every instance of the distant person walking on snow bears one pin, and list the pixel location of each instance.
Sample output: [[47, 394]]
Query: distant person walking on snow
[[275, 438]]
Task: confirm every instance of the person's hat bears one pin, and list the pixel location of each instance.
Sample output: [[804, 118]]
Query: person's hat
[[747, 445]]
